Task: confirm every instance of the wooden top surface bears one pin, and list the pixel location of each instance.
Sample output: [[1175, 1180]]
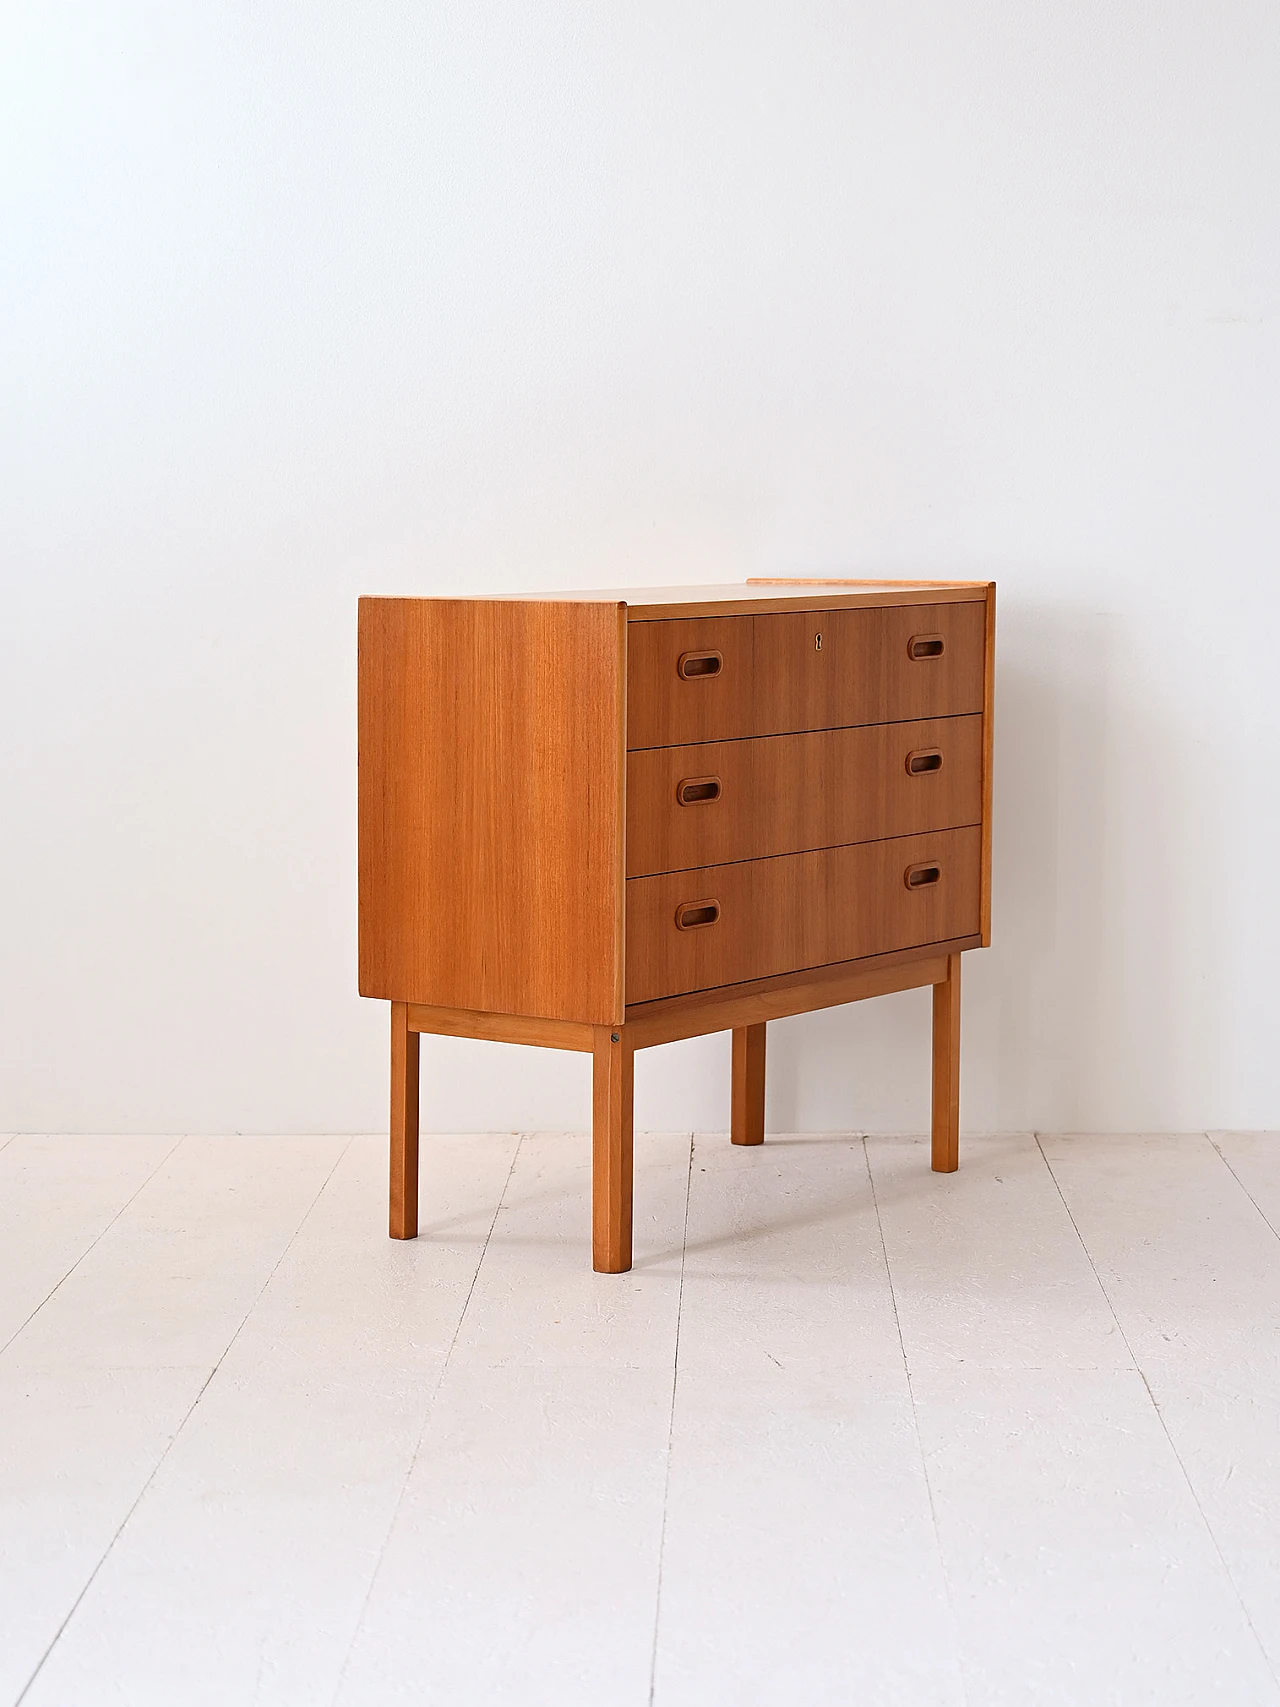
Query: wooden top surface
[[743, 598]]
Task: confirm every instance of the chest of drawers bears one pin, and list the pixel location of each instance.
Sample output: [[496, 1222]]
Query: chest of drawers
[[602, 821]]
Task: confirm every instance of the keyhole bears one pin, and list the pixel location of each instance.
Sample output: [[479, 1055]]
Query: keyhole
[[817, 643]]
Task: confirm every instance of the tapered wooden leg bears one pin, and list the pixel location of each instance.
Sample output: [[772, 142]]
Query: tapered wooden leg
[[404, 1125], [946, 1070], [612, 1064], [748, 1085]]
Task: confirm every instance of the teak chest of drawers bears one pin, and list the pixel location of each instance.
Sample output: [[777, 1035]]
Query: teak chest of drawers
[[600, 821]]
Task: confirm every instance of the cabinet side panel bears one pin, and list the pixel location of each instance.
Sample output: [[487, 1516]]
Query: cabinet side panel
[[491, 825], [988, 754]]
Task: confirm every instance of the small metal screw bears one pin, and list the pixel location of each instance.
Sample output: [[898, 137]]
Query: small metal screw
[[613, 1037]]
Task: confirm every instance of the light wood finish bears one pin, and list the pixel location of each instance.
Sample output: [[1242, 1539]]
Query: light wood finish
[[988, 758], [663, 707], [403, 1220], [874, 583], [491, 805], [764, 999], [862, 672], [605, 821], [747, 598], [662, 605], [503, 1028], [784, 794], [798, 911], [946, 1070], [612, 1165], [747, 1122], [988, 690], [749, 1003], [776, 679]]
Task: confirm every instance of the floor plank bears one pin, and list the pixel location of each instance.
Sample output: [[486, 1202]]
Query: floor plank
[[77, 1446], [523, 1564], [1080, 1566], [536, 1297], [58, 1195], [1254, 1159], [171, 1280], [1188, 1263], [121, 1351], [784, 1266], [988, 1271], [1222, 1423], [1184, 1234], [800, 1561], [848, 1430], [287, 1475]]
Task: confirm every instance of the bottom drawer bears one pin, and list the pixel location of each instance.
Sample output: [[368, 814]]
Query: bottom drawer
[[724, 924]]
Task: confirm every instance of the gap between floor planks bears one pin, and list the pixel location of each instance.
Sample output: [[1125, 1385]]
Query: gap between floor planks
[[603, 1281]]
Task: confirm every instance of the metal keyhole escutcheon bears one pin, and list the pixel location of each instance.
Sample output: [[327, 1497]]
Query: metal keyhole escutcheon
[[817, 642]]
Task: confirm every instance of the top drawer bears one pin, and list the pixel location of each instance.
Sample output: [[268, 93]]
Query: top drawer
[[721, 678]]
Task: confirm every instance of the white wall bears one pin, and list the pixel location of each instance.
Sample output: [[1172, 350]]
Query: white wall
[[303, 301]]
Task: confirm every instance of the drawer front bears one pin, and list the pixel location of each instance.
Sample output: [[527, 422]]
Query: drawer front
[[781, 794], [723, 678], [724, 924], [692, 679]]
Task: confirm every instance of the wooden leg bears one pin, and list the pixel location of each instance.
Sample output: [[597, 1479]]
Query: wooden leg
[[946, 1070], [748, 1085], [404, 1125], [612, 1064]]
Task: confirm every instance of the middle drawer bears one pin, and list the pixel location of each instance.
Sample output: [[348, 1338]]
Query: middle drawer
[[720, 801]]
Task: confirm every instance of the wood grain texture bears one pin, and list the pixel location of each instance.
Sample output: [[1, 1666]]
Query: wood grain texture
[[663, 707], [763, 999], [777, 678], [955, 590], [403, 1218], [790, 793], [946, 1070], [799, 911], [988, 758], [612, 1150], [723, 1009], [875, 583], [502, 1028], [747, 1118], [653, 605], [733, 598], [491, 805], [814, 865]]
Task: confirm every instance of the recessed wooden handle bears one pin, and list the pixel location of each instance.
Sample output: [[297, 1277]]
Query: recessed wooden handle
[[698, 790], [923, 760], [690, 915], [926, 646], [691, 665], [921, 876]]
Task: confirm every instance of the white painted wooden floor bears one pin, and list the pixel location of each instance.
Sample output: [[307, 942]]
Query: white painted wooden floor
[[850, 1432]]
